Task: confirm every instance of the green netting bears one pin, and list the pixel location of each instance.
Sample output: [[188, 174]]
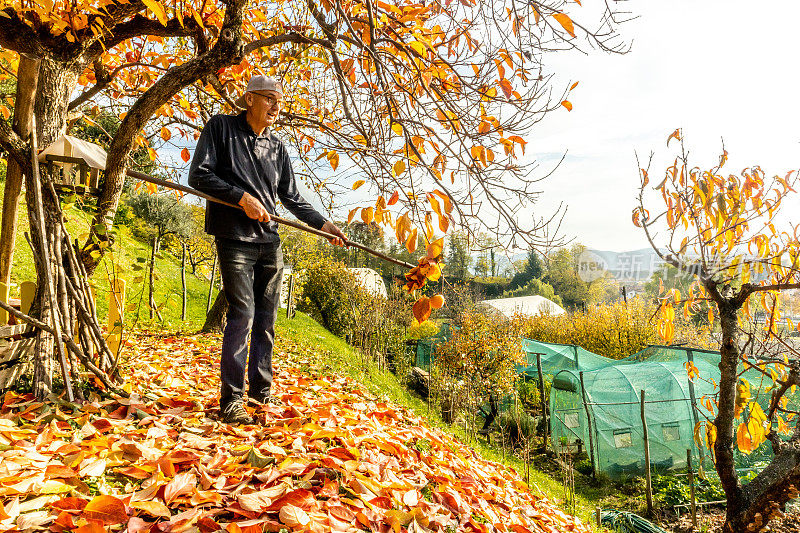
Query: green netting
[[426, 348], [557, 357], [612, 400]]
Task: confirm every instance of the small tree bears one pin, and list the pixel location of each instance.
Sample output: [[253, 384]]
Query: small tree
[[165, 215], [478, 364], [722, 231]]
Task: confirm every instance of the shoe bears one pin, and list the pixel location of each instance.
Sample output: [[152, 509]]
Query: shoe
[[234, 413], [265, 399]]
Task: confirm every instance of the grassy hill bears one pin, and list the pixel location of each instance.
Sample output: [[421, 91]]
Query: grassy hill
[[127, 260]]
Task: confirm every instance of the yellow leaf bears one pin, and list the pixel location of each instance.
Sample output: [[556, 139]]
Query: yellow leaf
[[399, 168], [397, 128], [157, 9], [166, 134], [565, 22], [358, 184]]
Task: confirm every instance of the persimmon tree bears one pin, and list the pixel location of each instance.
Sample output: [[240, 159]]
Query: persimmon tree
[[729, 232], [427, 104]]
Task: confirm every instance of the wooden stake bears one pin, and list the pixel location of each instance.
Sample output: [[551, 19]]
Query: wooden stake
[[541, 399], [647, 460], [588, 422], [49, 294], [211, 283], [690, 471]]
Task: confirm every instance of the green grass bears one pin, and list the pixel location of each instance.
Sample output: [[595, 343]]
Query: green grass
[[335, 354], [127, 260]]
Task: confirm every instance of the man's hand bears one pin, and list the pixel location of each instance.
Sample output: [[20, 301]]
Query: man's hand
[[253, 208], [330, 227]]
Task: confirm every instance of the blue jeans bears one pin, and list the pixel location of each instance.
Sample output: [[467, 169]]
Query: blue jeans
[[251, 278]]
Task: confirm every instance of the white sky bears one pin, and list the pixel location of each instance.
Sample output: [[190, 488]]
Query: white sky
[[718, 70]]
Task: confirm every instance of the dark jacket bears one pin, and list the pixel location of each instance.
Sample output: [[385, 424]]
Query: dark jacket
[[230, 160]]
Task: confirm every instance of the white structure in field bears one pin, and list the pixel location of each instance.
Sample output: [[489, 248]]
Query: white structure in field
[[525, 305], [371, 281]]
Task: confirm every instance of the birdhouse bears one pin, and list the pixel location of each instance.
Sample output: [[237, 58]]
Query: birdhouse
[[74, 164]]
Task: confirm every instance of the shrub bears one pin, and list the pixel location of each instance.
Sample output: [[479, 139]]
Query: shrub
[[332, 296], [613, 330], [421, 331], [478, 362]]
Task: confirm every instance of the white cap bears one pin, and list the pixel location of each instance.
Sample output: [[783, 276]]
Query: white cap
[[260, 83]]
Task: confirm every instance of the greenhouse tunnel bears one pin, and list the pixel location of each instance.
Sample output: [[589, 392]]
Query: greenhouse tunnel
[[612, 401]]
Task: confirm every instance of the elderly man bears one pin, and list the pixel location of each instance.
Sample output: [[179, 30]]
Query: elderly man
[[239, 160]]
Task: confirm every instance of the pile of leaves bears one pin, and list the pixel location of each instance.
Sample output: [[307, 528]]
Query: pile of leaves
[[333, 458]]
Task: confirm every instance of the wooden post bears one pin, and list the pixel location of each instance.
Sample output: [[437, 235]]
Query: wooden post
[[597, 515], [116, 312], [588, 424], [27, 292], [211, 284], [541, 399], [4, 299], [183, 281], [647, 460], [290, 296], [690, 471]]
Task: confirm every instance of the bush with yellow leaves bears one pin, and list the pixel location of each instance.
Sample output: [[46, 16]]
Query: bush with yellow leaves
[[614, 330]]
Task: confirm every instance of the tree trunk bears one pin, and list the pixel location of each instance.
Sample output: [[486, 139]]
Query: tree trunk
[[215, 320], [183, 281], [151, 294], [54, 84], [27, 79]]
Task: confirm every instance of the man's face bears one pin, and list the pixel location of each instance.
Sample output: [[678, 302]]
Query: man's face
[[264, 106]]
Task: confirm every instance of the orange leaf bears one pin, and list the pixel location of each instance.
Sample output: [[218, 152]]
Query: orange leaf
[[333, 159], [358, 184], [422, 309], [567, 104], [352, 214], [166, 134], [411, 242], [185, 155], [435, 248], [675, 134], [393, 199], [106, 509], [565, 22], [366, 215]]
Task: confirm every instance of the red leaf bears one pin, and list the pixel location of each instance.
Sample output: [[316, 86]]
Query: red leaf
[[185, 155]]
